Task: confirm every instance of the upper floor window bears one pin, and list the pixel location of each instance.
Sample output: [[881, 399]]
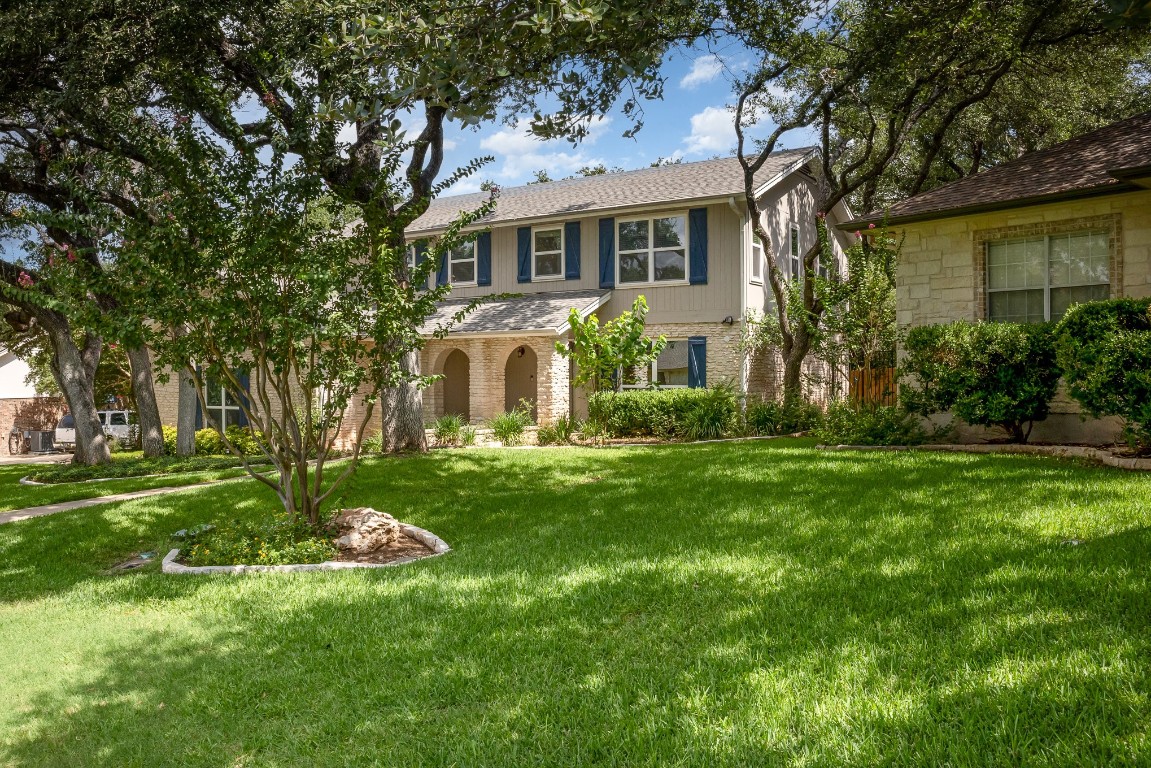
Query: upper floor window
[[548, 254], [462, 264], [1039, 278], [756, 258], [793, 252], [413, 263], [653, 250]]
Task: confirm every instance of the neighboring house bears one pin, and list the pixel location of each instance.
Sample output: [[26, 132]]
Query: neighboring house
[[20, 407], [1027, 239], [678, 234]]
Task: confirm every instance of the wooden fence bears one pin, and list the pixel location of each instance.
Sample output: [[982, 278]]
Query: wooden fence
[[872, 387]]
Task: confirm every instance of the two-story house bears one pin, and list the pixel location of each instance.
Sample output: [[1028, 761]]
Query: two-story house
[[677, 234]]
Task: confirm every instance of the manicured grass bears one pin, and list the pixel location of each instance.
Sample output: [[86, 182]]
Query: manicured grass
[[740, 604], [13, 495]]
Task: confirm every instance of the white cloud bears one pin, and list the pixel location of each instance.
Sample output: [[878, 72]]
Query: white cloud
[[703, 70], [465, 186], [712, 131], [521, 154]]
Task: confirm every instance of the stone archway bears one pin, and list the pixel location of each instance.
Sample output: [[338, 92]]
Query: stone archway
[[457, 385], [521, 379]]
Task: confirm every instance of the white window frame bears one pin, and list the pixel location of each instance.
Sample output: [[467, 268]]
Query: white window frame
[[651, 249], [653, 374], [412, 262], [794, 253], [475, 265], [537, 278], [1047, 286], [757, 259], [210, 411]]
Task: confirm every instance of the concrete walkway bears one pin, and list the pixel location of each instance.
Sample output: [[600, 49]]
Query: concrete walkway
[[51, 509], [36, 458]]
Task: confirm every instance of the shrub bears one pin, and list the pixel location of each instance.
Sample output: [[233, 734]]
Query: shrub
[[372, 444], [847, 424], [468, 436], [988, 374], [508, 427], [243, 439], [1104, 349], [169, 440], [208, 442], [770, 417], [561, 431], [446, 429], [278, 542], [641, 412], [714, 415]]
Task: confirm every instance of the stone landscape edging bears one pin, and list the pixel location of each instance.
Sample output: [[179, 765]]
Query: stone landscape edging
[[1059, 451], [427, 538]]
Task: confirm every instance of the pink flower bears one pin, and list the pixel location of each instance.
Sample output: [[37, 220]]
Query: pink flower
[[25, 280], [269, 99], [858, 233], [71, 255], [871, 225]]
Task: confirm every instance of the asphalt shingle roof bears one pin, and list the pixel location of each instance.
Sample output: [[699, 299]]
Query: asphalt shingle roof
[[540, 313], [648, 186], [1086, 165]]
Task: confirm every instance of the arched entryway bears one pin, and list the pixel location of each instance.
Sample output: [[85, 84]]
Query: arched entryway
[[457, 384], [520, 378]]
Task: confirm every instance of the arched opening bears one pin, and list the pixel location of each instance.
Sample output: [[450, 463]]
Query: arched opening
[[457, 384], [520, 378]]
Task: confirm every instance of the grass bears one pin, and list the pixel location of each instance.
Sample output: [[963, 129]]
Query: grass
[[135, 465], [712, 605]]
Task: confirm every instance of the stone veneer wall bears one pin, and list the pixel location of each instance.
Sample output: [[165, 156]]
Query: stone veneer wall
[[765, 378], [942, 272]]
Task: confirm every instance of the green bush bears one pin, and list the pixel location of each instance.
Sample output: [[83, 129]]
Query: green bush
[[1104, 349], [278, 542], [559, 432], [373, 444], [169, 440], [135, 467], [243, 439], [712, 416], [846, 424], [987, 374], [770, 417], [508, 427], [468, 436], [447, 429], [643, 412], [208, 442]]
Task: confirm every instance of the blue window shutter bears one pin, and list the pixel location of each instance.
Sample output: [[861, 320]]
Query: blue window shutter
[[484, 259], [199, 410], [697, 361], [697, 241], [524, 254], [607, 253], [246, 385], [571, 250], [442, 274]]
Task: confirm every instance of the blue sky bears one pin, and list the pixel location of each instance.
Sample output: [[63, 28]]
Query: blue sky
[[692, 122]]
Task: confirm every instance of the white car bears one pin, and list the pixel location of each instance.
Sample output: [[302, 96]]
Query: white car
[[116, 424]]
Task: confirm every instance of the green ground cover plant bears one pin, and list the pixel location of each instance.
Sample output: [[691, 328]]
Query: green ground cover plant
[[130, 465], [724, 604], [447, 429], [508, 427], [846, 423]]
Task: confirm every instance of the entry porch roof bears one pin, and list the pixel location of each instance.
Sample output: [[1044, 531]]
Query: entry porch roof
[[525, 314]]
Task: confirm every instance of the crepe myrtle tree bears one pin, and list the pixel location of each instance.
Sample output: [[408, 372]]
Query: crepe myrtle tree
[[263, 283], [602, 353], [871, 80]]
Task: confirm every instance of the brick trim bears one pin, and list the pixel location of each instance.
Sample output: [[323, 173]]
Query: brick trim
[[1113, 222]]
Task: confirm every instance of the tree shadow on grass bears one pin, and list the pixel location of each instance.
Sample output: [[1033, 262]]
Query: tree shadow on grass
[[773, 608]]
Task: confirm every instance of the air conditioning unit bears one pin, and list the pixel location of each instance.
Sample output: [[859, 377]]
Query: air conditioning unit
[[41, 441]]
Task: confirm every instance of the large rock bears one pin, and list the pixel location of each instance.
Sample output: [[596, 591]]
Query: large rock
[[364, 531]]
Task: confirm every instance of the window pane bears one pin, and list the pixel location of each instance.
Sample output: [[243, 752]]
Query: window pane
[[463, 272], [670, 232], [670, 265], [213, 392], [1015, 306], [214, 415], [228, 399], [671, 367], [463, 252], [756, 259], [119, 420], [1060, 260], [633, 235], [548, 240], [103, 418], [793, 239], [1063, 298], [548, 265], [633, 267], [633, 377], [232, 415]]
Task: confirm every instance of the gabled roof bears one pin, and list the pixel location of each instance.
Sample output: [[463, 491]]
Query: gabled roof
[[525, 314], [679, 183], [1109, 160]]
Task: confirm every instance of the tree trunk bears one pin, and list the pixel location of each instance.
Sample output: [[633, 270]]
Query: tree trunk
[[186, 415], [75, 373], [403, 410], [147, 411]]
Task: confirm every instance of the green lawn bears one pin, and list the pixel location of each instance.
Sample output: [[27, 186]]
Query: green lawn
[[732, 604]]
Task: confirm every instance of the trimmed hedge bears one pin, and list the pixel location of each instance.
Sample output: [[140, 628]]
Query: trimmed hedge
[[988, 374], [1104, 349], [846, 424], [770, 417], [645, 412]]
